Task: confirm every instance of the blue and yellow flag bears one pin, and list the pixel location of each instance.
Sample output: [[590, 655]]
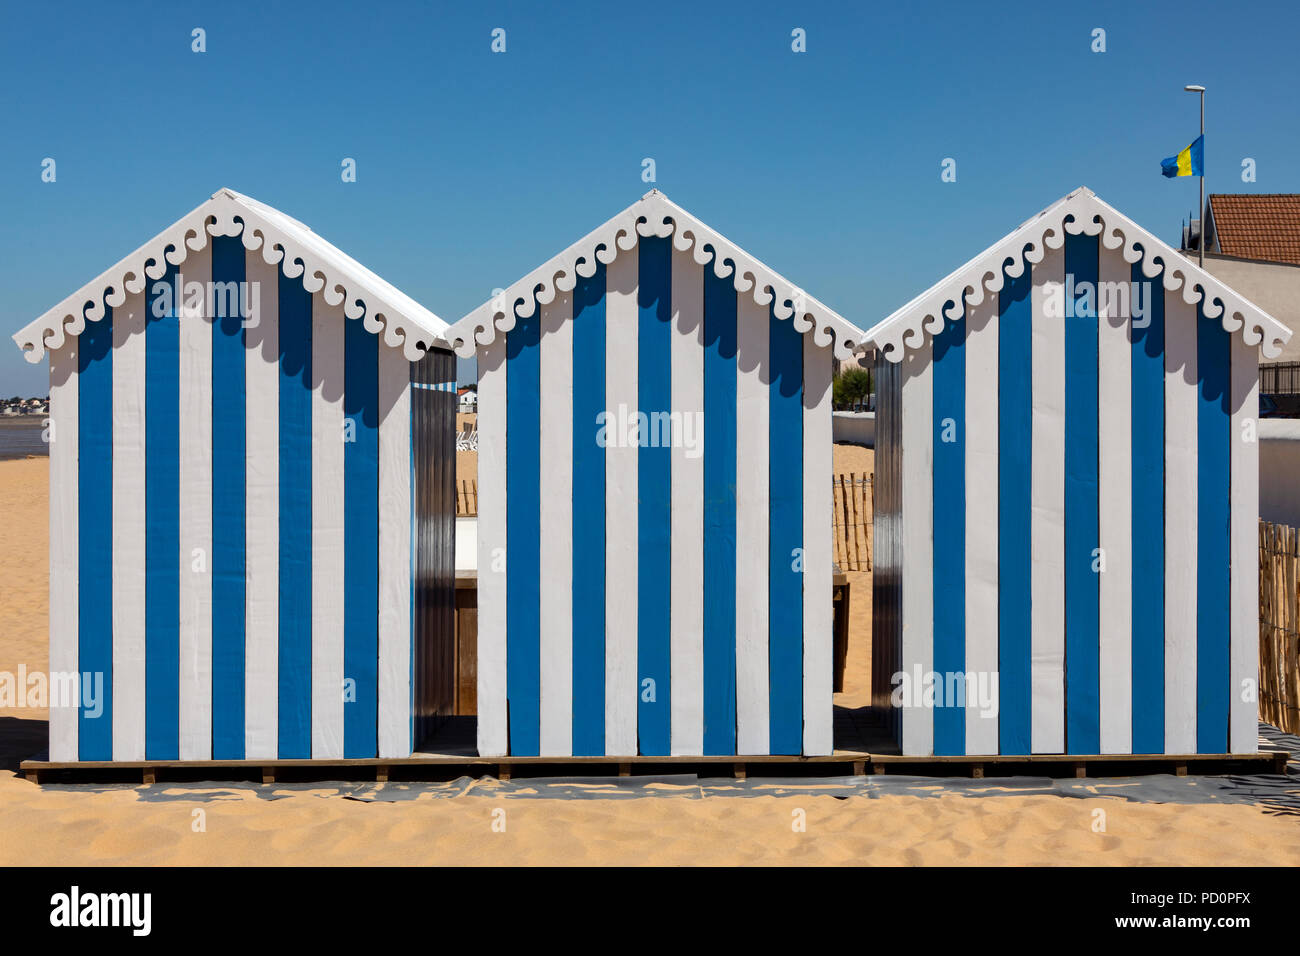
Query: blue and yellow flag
[[1190, 162]]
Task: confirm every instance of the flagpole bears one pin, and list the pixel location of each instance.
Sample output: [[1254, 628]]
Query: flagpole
[[1200, 213]]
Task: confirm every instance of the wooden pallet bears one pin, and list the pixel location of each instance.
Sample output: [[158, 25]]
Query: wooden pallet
[[847, 762]]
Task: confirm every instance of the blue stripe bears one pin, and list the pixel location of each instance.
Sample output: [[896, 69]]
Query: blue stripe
[[295, 519], [162, 522], [228, 510], [654, 496], [785, 537], [95, 531], [719, 514], [1015, 404], [361, 540], [523, 533], [1082, 533], [588, 516], [1148, 416], [949, 511], [1213, 444]]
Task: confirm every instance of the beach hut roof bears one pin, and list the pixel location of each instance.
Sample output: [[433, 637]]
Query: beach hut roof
[[654, 215], [382, 308], [1079, 212]]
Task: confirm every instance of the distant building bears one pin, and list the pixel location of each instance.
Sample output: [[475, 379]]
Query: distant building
[[1253, 245]]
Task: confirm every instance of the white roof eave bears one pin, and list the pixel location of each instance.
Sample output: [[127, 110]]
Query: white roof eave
[[654, 215], [1079, 212], [299, 252]]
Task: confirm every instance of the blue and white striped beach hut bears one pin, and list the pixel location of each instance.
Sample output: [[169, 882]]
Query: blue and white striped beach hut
[[1067, 499], [654, 499], [232, 508]]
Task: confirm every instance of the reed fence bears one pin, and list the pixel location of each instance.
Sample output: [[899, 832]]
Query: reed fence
[[467, 498], [1279, 626], [853, 505]]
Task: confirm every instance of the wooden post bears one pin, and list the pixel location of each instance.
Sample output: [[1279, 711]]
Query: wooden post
[[844, 504], [836, 553], [853, 497], [870, 522]]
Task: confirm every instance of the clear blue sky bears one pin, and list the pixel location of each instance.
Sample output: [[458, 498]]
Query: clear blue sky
[[475, 167]]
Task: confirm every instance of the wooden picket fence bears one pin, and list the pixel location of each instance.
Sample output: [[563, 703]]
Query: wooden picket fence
[[853, 506], [1279, 626], [467, 498]]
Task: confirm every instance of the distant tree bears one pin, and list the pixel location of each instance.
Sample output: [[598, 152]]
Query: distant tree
[[852, 385]]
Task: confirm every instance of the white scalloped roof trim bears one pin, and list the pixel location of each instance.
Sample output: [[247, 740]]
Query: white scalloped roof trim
[[300, 252], [1079, 212], [654, 215]]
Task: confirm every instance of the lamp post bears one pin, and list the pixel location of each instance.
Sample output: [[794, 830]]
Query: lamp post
[[1200, 212]]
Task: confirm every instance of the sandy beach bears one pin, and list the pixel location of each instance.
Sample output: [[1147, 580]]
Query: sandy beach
[[195, 824]]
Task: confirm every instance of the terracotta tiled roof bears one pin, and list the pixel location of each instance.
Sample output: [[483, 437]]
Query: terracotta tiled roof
[[1258, 226]]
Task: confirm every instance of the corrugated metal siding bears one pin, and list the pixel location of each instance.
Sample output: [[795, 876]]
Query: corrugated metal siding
[[886, 582], [433, 443]]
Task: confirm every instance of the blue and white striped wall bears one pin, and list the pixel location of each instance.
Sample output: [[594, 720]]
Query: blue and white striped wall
[[230, 527], [1074, 506], [639, 600]]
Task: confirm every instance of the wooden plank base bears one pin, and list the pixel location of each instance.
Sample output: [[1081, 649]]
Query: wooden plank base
[[854, 763]]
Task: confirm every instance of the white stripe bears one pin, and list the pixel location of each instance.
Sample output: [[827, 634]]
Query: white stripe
[[686, 600], [753, 369], [1243, 669], [1180, 524], [556, 526], [262, 510], [64, 554], [394, 553], [195, 556], [1115, 516], [128, 529], [1047, 523], [621, 320], [492, 729], [982, 521], [917, 445], [327, 556], [818, 608]]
